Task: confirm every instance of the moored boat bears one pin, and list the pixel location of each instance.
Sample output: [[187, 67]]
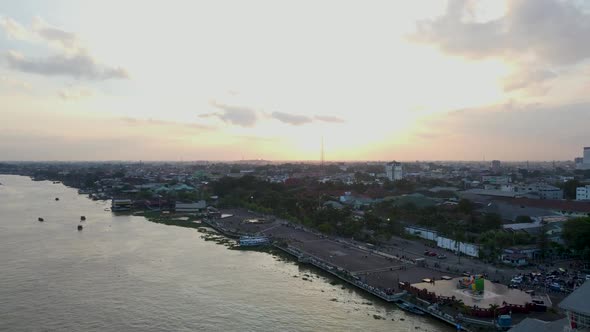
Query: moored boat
[[410, 308], [250, 241]]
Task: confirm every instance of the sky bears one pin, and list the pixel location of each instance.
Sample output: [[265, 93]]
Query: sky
[[233, 80]]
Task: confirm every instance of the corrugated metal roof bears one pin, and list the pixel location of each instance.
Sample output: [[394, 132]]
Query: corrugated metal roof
[[578, 300], [535, 325]]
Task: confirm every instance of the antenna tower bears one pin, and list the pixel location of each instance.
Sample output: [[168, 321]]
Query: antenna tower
[[322, 153]]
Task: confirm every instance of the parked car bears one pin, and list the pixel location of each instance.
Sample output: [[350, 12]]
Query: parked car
[[442, 256]]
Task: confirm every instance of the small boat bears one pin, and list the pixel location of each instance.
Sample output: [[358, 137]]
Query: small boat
[[57, 198], [410, 308], [40, 219], [80, 227], [252, 241], [82, 218]]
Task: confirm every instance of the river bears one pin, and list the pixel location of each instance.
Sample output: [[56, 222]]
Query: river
[[124, 273]]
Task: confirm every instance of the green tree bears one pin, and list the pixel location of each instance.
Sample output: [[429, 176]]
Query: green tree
[[576, 233], [465, 206], [523, 219], [569, 188], [543, 241], [492, 221]]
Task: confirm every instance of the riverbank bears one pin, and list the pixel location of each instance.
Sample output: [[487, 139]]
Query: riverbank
[[123, 273]]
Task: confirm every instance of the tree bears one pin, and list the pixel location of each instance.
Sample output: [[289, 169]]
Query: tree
[[523, 219], [576, 233], [465, 206], [492, 221], [569, 188], [543, 241]]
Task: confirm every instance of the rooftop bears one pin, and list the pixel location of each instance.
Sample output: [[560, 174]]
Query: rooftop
[[578, 300], [535, 325]]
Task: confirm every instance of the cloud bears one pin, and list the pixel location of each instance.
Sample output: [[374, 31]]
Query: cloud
[[551, 31], [13, 29], [163, 123], [292, 119], [72, 60], [525, 78], [50, 33], [74, 93], [533, 131], [327, 118], [237, 115], [79, 66], [14, 83]]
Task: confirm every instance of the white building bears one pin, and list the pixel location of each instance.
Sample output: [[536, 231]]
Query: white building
[[542, 190], [424, 233], [394, 171], [583, 193], [577, 309], [468, 249]]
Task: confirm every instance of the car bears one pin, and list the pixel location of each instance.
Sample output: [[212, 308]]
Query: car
[[442, 256]]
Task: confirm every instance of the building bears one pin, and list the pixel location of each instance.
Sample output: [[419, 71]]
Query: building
[[494, 179], [190, 207], [520, 256], [577, 309], [585, 162], [468, 249], [496, 165], [541, 191], [424, 233], [394, 171], [583, 193], [121, 205]]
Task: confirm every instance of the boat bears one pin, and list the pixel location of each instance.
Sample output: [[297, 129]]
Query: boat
[[410, 308], [121, 205], [251, 241], [82, 218], [40, 219], [57, 198], [80, 227]]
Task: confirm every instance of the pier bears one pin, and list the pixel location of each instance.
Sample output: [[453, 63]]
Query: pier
[[377, 273]]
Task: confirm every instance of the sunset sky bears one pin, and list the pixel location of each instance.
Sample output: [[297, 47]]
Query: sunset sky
[[226, 80]]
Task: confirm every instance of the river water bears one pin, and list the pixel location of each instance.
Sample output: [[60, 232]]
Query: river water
[[124, 273]]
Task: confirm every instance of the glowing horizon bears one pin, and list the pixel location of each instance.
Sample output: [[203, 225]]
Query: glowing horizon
[[226, 80]]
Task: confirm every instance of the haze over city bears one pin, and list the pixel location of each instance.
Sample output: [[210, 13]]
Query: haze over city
[[226, 80]]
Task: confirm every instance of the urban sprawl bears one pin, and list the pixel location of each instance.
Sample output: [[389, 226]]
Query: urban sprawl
[[480, 245]]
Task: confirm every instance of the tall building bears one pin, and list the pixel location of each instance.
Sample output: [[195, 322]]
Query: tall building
[[394, 171], [584, 163], [496, 164]]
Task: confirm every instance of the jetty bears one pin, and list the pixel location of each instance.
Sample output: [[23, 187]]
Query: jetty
[[379, 274]]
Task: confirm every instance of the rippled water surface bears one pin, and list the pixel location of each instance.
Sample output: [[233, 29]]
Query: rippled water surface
[[123, 273]]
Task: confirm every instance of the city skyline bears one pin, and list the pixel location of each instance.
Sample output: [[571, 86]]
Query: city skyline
[[228, 80]]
